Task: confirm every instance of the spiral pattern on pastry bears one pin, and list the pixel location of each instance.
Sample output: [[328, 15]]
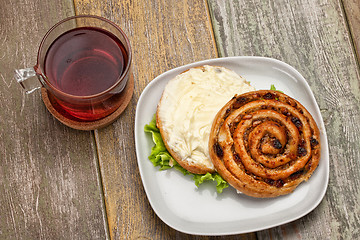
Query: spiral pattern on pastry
[[264, 143]]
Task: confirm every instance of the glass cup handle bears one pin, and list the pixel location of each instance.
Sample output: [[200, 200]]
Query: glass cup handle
[[27, 78]]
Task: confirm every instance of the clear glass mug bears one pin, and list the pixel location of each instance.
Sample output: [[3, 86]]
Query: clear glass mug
[[84, 64]]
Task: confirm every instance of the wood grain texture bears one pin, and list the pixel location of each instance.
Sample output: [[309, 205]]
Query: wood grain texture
[[352, 11], [313, 37], [164, 35], [49, 177]]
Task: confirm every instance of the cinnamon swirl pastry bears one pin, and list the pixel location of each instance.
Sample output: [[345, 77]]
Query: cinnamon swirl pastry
[[264, 143]]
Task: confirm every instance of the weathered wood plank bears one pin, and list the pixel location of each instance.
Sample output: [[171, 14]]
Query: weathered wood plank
[[352, 11], [313, 37], [164, 35], [49, 178]]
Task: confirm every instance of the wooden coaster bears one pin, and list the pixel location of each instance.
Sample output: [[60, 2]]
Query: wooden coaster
[[72, 122]]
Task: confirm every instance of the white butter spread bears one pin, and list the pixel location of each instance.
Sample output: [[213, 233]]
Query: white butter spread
[[189, 104]]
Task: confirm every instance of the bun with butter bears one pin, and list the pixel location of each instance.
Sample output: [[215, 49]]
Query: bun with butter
[[187, 108], [264, 143]]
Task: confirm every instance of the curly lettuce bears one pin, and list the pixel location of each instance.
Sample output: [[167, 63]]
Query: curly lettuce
[[159, 156], [272, 87]]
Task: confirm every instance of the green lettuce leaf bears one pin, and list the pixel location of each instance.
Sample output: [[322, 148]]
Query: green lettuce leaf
[[272, 87], [159, 156], [221, 184]]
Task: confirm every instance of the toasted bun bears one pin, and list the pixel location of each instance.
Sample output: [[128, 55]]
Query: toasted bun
[[193, 167], [264, 143], [187, 108]]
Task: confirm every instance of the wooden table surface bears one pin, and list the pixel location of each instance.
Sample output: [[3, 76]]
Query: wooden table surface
[[60, 183]]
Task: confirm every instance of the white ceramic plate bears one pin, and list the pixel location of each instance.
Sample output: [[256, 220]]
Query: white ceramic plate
[[201, 211]]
